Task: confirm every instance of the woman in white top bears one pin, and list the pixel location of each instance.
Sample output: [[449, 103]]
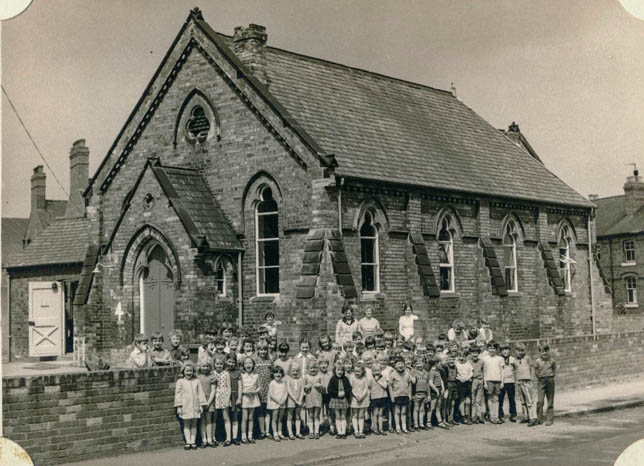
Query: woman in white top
[[406, 322], [368, 325], [346, 326]]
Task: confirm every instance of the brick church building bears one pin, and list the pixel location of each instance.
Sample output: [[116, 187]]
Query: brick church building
[[248, 178]]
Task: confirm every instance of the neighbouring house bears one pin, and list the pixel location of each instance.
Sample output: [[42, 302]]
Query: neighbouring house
[[620, 250], [249, 178], [44, 274], [13, 235]]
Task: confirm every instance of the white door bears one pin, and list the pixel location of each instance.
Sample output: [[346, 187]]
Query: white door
[[46, 319]]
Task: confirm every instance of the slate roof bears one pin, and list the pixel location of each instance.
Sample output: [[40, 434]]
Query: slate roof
[[13, 232], [611, 218], [201, 207], [64, 241], [385, 129]]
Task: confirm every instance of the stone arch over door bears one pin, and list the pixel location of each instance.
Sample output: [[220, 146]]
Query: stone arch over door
[[151, 265]]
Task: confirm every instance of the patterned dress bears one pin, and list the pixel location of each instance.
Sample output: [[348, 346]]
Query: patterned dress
[[263, 367], [312, 399], [222, 395]]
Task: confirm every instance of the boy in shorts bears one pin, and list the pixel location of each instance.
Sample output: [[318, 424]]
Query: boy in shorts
[[399, 387], [464, 372], [493, 380]]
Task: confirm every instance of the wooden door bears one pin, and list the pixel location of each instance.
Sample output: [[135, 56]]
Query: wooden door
[[46, 319], [158, 294]]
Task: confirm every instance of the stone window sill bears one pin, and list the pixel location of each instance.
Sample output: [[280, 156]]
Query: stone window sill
[[371, 296], [631, 306], [269, 298], [514, 294], [450, 295]]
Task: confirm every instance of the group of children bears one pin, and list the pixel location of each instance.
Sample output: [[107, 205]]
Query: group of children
[[378, 384]]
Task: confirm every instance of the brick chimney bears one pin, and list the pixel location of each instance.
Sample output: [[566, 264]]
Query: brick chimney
[[250, 48], [78, 178], [633, 193], [38, 185], [593, 197]]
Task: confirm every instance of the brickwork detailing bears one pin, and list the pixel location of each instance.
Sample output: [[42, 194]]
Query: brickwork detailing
[[499, 287], [552, 268], [424, 266], [341, 268], [87, 273]]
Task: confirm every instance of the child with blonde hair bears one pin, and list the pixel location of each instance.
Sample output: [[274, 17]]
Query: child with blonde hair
[[313, 399], [209, 386], [359, 398], [276, 402], [222, 395], [189, 401], [249, 390], [378, 394], [339, 390], [295, 389]]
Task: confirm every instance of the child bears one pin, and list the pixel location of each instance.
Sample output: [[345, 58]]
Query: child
[[269, 324], [209, 336], [509, 371], [295, 388], [464, 372], [477, 385], [226, 332], [359, 350], [545, 369], [420, 395], [452, 393], [326, 351], [485, 331], [175, 337], [283, 360], [437, 389], [339, 390], [222, 395], [399, 387], [263, 366], [313, 399], [207, 355], [208, 384], [347, 349], [493, 380], [159, 355], [249, 390], [386, 369], [389, 341], [356, 337], [248, 351], [276, 402], [235, 397], [184, 354], [378, 392], [524, 384], [359, 398], [220, 346], [140, 356], [233, 346], [304, 357], [189, 401], [325, 375], [272, 348]]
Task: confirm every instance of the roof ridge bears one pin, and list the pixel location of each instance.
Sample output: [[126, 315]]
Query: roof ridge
[[608, 197]]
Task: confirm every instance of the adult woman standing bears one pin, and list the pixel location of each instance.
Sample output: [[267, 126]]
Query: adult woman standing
[[406, 322], [346, 326], [368, 325]]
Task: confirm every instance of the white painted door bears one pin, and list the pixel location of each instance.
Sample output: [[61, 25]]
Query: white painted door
[[46, 319]]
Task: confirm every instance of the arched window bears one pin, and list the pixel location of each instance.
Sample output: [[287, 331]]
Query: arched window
[[510, 256], [220, 278], [565, 262], [369, 254], [446, 255], [267, 244], [631, 290]]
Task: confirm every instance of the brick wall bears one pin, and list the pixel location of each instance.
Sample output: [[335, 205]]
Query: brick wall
[[587, 360], [74, 417]]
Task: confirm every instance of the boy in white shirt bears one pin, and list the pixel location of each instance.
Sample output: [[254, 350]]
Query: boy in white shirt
[[493, 380], [464, 372]]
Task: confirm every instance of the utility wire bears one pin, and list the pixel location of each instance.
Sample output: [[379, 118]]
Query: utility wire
[[36, 146]]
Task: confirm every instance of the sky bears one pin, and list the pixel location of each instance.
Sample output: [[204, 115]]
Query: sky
[[570, 73]]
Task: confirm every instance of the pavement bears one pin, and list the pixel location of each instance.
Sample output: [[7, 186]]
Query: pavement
[[570, 426]]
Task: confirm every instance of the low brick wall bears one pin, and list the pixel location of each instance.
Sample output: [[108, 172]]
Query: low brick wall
[[73, 417], [587, 360]]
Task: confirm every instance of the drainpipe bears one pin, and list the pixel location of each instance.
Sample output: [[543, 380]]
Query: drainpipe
[[590, 276], [340, 184], [240, 300]]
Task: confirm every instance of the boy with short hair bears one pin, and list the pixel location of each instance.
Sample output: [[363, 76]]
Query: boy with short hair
[[477, 385], [524, 384], [545, 369], [140, 355], [464, 373], [304, 358], [509, 375], [175, 337], [159, 355], [493, 380], [452, 392]]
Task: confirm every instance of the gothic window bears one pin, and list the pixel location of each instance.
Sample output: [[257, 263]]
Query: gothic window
[[565, 262], [629, 251], [267, 244], [220, 278], [510, 256], [197, 125], [631, 290], [369, 254], [446, 255]]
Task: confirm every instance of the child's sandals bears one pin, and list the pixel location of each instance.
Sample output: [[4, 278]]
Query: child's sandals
[[228, 442], [186, 447], [317, 436], [291, 437]]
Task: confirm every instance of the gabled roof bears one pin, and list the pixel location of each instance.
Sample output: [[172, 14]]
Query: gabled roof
[[194, 204], [13, 232], [611, 218], [385, 129], [64, 241]]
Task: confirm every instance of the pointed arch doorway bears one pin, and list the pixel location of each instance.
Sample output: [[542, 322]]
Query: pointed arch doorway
[[156, 285]]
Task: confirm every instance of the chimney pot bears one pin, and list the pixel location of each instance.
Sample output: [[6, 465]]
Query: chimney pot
[[78, 178]]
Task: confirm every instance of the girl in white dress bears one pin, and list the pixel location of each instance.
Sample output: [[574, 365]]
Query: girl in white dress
[[359, 398], [189, 401], [276, 402], [313, 399], [249, 389], [295, 387]]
